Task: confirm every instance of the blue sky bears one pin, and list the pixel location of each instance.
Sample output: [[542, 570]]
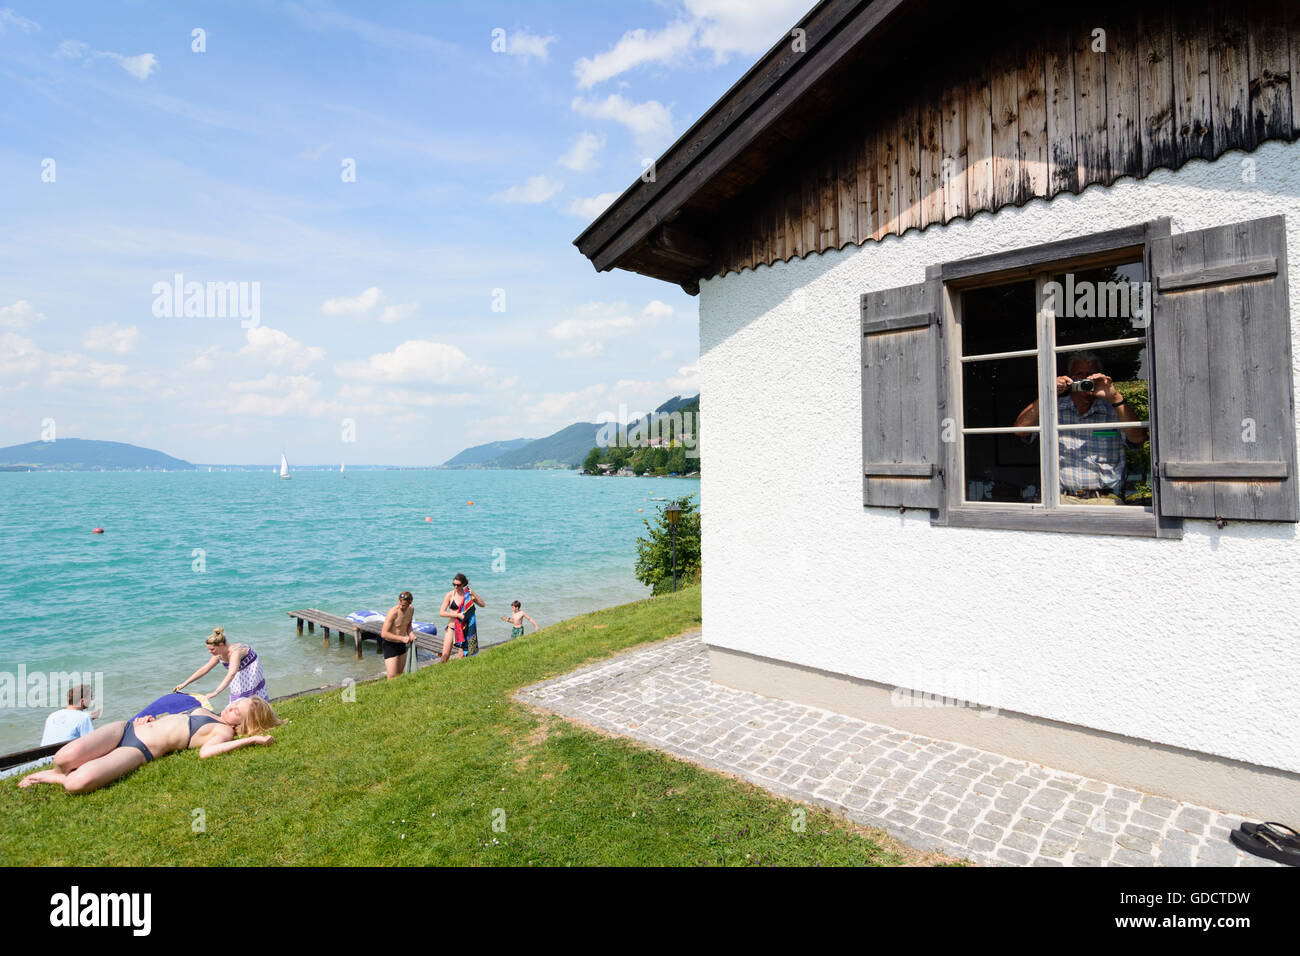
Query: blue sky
[[434, 299]]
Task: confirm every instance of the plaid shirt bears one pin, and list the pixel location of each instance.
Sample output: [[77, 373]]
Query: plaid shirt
[[1091, 459]]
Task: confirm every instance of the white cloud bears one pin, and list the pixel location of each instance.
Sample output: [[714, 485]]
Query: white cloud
[[607, 319], [11, 19], [538, 189], [651, 123], [19, 316], [581, 157], [657, 310], [523, 44], [633, 49], [719, 27], [744, 26], [686, 381], [204, 361], [413, 362], [86, 373], [279, 348], [552, 405], [405, 398], [363, 305], [274, 396], [141, 66], [359, 305], [20, 355], [111, 338], [589, 207], [600, 326], [17, 354], [584, 351], [395, 313]]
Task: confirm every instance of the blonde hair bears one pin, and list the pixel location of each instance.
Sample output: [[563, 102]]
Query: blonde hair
[[258, 719], [218, 636]]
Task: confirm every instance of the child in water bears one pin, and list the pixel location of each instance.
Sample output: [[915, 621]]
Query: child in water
[[516, 620]]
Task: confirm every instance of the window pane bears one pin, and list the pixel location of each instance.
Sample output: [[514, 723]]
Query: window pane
[[994, 392], [1110, 464], [998, 319], [1097, 305], [1002, 468]]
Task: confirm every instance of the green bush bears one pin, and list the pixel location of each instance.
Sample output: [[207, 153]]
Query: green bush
[[654, 562]]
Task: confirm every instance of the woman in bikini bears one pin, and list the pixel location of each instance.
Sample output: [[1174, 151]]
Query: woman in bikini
[[458, 606], [244, 667], [172, 722]]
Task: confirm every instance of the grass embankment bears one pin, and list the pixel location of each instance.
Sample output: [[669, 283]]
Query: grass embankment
[[416, 771]]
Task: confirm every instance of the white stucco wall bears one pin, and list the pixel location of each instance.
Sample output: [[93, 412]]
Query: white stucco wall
[[797, 570]]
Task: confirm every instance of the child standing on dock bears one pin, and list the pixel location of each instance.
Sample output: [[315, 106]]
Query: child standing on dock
[[517, 618]]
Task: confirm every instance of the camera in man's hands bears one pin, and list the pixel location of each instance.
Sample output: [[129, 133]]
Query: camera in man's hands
[[1083, 385]]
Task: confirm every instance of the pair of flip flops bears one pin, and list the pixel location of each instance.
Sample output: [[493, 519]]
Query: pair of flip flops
[[1272, 841]]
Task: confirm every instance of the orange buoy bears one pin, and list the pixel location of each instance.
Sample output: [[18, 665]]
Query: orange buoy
[[427, 518], [469, 502], [639, 510], [98, 531]]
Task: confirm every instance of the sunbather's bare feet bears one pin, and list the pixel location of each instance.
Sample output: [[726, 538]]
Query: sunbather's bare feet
[[41, 776]]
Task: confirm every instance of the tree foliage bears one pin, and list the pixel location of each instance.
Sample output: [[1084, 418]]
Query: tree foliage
[[654, 561]]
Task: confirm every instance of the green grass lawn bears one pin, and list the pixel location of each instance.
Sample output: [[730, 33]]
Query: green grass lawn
[[416, 771]]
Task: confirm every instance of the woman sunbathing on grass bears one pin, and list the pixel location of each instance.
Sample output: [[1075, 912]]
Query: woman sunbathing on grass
[[172, 722]]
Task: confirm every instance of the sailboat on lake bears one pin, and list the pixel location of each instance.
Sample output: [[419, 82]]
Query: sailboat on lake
[[284, 467], [341, 469]]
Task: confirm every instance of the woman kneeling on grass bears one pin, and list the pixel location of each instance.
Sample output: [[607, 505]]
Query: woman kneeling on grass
[[172, 722]]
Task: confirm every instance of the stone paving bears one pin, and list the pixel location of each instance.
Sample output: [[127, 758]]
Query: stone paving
[[931, 794]]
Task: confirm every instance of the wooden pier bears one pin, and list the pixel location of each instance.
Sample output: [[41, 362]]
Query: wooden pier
[[340, 625], [359, 632]]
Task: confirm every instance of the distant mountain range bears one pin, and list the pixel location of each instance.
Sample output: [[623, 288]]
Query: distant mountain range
[[564, 449], [81, 454]]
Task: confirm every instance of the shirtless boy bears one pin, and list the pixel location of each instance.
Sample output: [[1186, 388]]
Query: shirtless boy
[[516, 620], [397, 636]]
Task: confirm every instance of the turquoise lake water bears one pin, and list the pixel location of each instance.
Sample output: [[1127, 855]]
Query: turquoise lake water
[[130, 605]]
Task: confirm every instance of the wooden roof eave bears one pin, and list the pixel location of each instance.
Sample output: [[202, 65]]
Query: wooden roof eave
[[745, 112]]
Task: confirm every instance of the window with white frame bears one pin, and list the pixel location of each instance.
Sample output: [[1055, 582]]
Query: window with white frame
[[1055, 390], [1115, 383]]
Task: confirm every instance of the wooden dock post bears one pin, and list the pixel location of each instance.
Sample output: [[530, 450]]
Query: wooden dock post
[[341, 626]]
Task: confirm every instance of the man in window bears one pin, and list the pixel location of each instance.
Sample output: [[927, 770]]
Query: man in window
[[1092, 460]]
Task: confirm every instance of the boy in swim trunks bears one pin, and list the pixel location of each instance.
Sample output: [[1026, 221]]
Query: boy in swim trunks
[[516, 620]]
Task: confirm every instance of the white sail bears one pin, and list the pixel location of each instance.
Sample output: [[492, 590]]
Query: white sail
[[284, 466], [342, 467]]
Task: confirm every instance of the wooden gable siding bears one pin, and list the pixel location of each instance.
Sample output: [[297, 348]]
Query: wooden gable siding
[[1053, 117]]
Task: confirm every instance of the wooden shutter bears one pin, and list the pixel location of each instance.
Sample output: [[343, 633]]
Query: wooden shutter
[[1221, 337], [901, 397]]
